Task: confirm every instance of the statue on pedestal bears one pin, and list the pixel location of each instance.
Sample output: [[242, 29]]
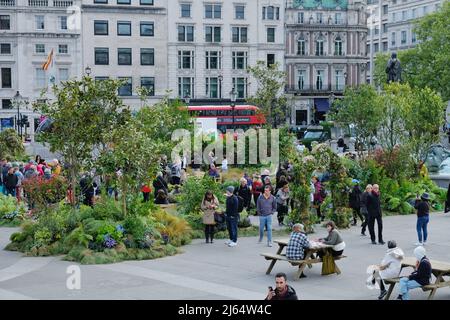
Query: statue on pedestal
[[394, 69]]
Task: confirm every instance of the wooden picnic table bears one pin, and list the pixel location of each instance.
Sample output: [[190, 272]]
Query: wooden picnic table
[[438, 268], [307, 260]]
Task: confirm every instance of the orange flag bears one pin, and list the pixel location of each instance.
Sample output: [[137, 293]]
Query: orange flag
[[48, 62]]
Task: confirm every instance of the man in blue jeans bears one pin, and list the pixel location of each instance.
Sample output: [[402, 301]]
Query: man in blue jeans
[[266, 206], [232, 216], [418, 278]]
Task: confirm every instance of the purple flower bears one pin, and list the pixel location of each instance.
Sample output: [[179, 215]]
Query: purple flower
[[109, 242]]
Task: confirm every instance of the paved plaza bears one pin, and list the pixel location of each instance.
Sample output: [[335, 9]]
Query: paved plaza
[[215, 271]]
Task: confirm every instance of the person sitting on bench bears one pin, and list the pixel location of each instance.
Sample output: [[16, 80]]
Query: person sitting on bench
[[419, 278], [297, 244], [334, 239], [390, 266]]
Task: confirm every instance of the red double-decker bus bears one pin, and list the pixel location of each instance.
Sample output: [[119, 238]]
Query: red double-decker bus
[[245, 116]]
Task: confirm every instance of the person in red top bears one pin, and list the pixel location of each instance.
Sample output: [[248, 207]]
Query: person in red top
[[146, 190], [318, 198], [257, 187]]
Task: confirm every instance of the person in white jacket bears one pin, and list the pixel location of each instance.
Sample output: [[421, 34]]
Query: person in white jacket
[[390, 267]]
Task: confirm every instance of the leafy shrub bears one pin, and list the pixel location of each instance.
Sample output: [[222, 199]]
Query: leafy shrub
[[176, 228], [107, 208], [42, 192]]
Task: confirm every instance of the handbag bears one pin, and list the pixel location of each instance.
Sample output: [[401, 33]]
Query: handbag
[[328, 264], [219, 217]]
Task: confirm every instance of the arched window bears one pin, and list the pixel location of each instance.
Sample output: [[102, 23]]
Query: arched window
[[338, 46], [301, 46]]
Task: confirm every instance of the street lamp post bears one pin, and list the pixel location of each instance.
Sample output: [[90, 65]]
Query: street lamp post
[[220, 77], [187, 99], [88, 71], [233, 95]]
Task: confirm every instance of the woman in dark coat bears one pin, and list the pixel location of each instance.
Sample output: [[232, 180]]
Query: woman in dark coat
[[355, 202], [245, 193]]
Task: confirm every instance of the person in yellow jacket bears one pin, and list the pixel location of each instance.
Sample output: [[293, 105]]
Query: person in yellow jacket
[[423, 171]]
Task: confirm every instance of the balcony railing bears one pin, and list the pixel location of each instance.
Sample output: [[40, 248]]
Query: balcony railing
[[38, 3], [7, 3], [314, 89], [62, 3]]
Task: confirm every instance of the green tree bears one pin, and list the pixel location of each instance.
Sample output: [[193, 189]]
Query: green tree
[[83, 114], [362, 108], [269, 96], [10, 145]]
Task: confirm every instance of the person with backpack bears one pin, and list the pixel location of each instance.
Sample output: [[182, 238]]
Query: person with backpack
[[419, 278], [265, 208], [175, 172], [244, 194], [355, 202], [423, 217], [319, 195]]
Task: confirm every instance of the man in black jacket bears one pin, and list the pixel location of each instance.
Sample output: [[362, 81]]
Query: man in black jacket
[[10, 182], [232, 216], [374, 213], [283, 291], [420, 277]]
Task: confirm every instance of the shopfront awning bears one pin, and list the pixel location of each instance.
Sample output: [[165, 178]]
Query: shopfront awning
[[322, 104]]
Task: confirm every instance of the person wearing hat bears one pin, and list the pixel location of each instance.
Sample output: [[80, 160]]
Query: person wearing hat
[[232, 216], [390, 266], [417, 279], [355, 202], [423, 217]]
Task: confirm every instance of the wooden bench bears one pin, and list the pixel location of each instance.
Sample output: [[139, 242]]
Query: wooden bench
[[300, 263], [429, 287]]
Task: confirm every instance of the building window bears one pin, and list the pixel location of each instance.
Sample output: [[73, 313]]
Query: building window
[[186, 33], [124, 28], [385, 28], [185, 59], [339, 80], [5, 48], [319, 17], [239, 12], [101, 56], [319, 80], [404, 15], [146, 2], [270, 34], [240, 85], [63, 22], [147, 57], [338, 18], [385, 9], [100, 27], [63, 74], [425, 10], [376, 47], [338, 47], [301, 79], [149, 84], [7, 104], [63, 49], [39, 48], [41, 81], [185, 10], [271, 13], [6, 77], [126, 89], [414, 13], [394, 16], [413, 37], [239, 34], [385, 46], [213, 34], [301, 47], [319, 47], [185, 87], [270, 59], [301, 17], [393, 36], [239, 60], [147, 29], [212, 88], [40, 22], [124, 56], [101, 1], [5, 22], [101, 78], [213, 60], [123, 1], [213, 11], [377, 31], [403, 38]]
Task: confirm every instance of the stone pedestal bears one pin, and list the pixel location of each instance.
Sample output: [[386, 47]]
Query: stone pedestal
[[333, 145]]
